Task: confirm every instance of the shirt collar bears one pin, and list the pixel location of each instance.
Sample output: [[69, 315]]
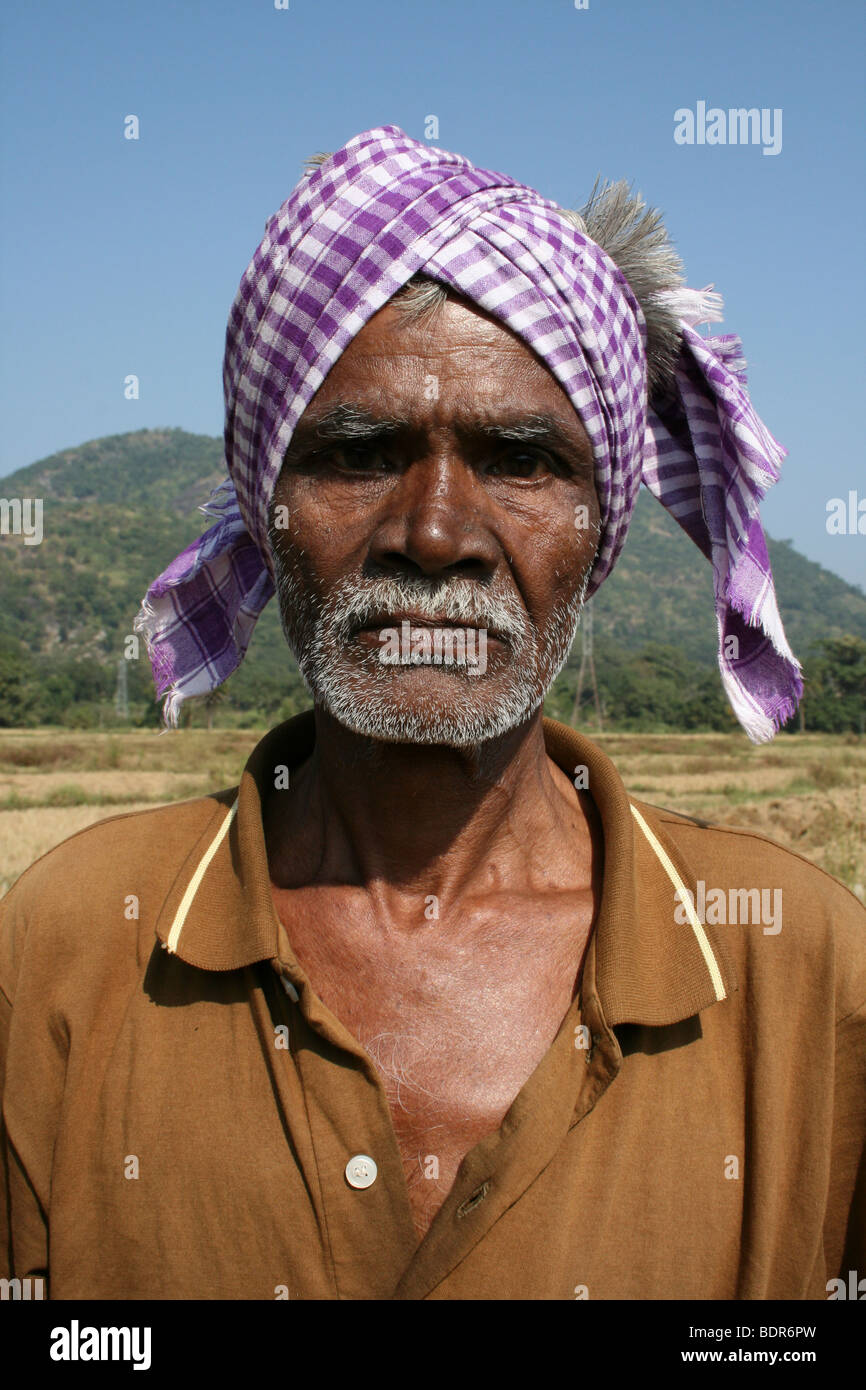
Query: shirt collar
[[219, 913]]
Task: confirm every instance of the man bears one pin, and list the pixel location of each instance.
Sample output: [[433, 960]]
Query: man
[[429, 1007]]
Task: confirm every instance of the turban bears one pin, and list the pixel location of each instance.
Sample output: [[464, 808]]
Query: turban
[[354, 230]]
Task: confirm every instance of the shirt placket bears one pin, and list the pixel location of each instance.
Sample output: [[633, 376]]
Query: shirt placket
[[357, 1171], [581, 1063], [356, 1168]]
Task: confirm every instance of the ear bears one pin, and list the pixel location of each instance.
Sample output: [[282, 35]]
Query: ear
[[635, 238]]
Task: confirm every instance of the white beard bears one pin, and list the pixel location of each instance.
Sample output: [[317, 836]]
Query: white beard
[[384, 702]]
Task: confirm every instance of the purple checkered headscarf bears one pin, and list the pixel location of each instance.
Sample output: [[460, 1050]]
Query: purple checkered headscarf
[[352, 232]]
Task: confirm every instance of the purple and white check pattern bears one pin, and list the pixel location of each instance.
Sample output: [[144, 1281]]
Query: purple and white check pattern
[[352, 232]]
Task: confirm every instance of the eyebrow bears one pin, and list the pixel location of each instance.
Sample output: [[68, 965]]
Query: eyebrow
[[531, 429], [346, 421], [350, 421]]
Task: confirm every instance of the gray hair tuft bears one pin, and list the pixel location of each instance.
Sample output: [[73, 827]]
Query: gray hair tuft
[[636, 240]]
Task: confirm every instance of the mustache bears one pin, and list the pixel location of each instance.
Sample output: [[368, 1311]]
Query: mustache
[[461, 602]]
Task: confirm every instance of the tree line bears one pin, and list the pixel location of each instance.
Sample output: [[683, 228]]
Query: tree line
[[655, 689]]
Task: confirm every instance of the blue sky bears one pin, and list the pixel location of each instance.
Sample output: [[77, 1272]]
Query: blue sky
[[121, 256]]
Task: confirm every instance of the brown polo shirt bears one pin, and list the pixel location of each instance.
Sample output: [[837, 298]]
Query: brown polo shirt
[[181, 1110]]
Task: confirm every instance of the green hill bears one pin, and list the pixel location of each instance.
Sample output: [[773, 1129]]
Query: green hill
[[117, 510]]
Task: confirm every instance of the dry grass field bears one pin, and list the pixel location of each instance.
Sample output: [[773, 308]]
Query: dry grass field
[[806, 791]]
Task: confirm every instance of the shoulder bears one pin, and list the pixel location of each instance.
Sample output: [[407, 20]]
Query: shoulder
[[815, 925], [103, 887]]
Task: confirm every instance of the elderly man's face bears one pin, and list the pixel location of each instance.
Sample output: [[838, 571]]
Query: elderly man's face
[[439, 476]]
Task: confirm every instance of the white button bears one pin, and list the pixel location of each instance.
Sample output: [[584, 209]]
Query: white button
[[361, 1171], [290, 988]]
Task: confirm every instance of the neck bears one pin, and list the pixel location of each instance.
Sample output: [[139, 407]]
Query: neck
[[404, 821]]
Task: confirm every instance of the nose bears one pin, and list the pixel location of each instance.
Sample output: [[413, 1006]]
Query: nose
[[436, 521]]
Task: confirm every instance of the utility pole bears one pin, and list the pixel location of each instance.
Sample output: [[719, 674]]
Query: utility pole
[[121, 698], [587, 661]]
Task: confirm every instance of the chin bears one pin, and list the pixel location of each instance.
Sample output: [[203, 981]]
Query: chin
[[458, 718]]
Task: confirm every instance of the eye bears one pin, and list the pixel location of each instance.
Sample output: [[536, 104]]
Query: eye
[[357, 458], [522, 463]]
